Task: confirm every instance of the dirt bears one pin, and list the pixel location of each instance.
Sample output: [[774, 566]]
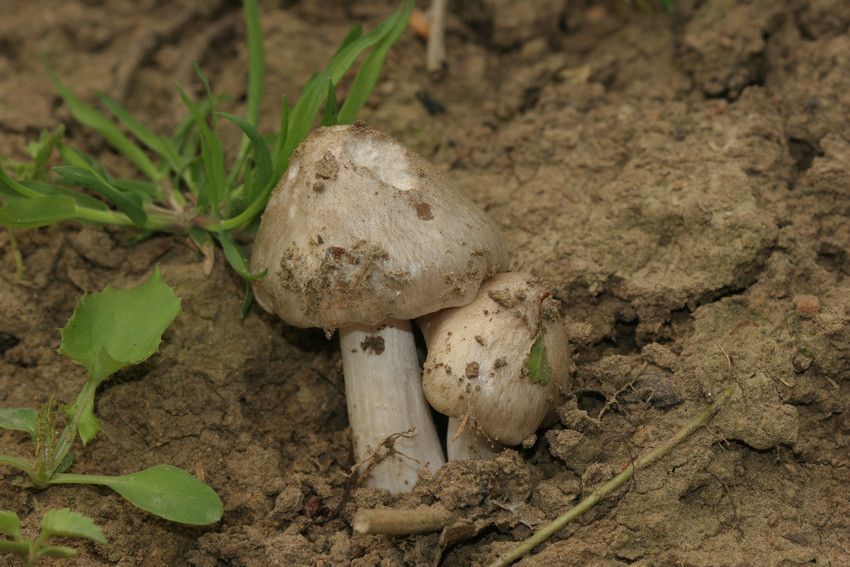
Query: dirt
[[681, 181]]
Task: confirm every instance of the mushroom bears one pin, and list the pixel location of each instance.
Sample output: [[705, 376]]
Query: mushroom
[[364, 235], [497, 366]]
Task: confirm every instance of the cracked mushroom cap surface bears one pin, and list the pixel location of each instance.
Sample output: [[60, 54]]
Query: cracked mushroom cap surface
[[362, 229], [478, 358]]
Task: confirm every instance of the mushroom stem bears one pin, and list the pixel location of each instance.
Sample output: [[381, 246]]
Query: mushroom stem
[[468, 444], [391, 425]]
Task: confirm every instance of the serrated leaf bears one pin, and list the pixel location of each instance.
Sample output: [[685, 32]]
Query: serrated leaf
[[113, 329], [539, 370], [10, 524], [19, 419], [67, 523], [170, 493]]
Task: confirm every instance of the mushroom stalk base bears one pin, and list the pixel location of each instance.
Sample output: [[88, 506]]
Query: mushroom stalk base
[[469, 444], [391, 425]]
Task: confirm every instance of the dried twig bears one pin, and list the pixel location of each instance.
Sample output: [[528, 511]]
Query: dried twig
[[435, 57], [391, 521]]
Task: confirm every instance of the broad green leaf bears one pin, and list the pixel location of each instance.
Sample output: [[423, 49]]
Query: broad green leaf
[[10, 524], [89, 116], [170, 493], [539, 370], [21, 548], [129, 204], [114, 329], [19, 419], [40, 211], [66, 523]]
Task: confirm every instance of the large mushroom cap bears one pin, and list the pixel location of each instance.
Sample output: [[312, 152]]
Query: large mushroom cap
[[362, 229], [478, 358]]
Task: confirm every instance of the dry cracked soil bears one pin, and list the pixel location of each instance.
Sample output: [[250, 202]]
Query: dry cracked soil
[[681, 180]]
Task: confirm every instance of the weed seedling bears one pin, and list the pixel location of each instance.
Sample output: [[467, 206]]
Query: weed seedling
[[183, 184], [109, 331], [55, 523]]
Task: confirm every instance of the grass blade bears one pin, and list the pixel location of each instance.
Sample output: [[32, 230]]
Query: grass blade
[[329, 117], [305, 110], [235, 258], [262, 157], [11, 188], [256, 62], [83, 200], [370, 71], [281, 161], [130, 205], [353, 34], [87, 115], [41, 211], [150, 139], [212, 158]]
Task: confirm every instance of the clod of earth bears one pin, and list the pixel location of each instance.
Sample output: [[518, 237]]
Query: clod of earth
[[498, 366], [363, 257]]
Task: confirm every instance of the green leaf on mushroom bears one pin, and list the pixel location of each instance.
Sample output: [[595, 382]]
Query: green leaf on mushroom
[[539, 370]]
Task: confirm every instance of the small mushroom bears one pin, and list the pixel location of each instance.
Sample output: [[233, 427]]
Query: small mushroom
[[498, 366], [364, 235]]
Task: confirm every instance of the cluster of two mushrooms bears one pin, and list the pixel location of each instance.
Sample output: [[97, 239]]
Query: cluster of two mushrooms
[[365, 236]]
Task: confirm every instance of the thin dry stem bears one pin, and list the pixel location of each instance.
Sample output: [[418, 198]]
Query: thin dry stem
[[391, 521], [436, 50], [606, 489]]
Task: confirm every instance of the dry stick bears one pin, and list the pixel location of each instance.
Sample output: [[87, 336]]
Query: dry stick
[[20, 269], [613, 484], [435, 55], [388, 521]]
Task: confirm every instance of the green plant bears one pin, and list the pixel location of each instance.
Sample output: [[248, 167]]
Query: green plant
[[109, 331], [185, 186], [55, 523]]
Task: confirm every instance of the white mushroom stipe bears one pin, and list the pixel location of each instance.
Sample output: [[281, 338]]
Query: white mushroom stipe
[[468, 443], [390, 420]]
